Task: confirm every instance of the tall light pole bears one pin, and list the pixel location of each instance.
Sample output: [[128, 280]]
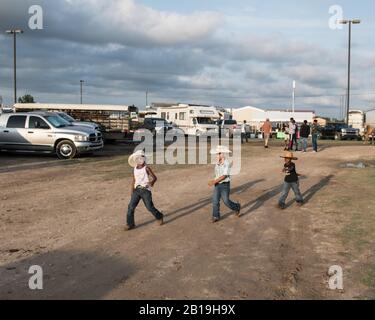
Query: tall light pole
[[14, 32], [146, 97], [81, 84], [350, 22], [294, 96]]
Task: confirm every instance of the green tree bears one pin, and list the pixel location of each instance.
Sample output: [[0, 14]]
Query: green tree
[[27, 98]]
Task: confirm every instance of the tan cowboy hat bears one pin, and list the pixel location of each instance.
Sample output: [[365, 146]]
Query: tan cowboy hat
[[288, 155], [221, 149], [133, 158]]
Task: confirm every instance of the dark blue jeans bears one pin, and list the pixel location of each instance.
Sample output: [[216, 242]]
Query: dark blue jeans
[[285, 191], [315, 142], [222, 191], [146, 196]]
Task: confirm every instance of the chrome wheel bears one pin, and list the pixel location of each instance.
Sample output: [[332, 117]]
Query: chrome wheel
[[66, 150]]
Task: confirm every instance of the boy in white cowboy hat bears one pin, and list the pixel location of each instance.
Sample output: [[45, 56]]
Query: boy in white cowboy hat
[[141, 188], [291, 180], [222, 184]]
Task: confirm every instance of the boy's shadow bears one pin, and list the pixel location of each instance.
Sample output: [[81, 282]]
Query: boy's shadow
[[184, 211], [308, 194]]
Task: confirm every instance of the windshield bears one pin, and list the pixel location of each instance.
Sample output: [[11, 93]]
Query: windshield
[[159, 122], [57, 121], [66, 117], [205, 121]]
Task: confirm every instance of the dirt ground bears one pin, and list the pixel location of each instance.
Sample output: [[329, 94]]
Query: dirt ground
[[69, 218]]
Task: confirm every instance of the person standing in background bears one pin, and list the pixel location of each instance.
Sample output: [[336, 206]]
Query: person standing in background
[[315, 129], [304, 135], [243, 132], [267, 129], [292, 133], [285, 130]]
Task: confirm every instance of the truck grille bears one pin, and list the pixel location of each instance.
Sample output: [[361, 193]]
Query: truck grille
[[95, 137]]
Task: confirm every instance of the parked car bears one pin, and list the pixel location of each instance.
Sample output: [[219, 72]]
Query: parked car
[[230, 127], [46, 131], [75, 122], [340, 131], [156, 125]]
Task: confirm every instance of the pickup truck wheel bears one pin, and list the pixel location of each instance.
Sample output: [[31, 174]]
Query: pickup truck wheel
[[66, 149]]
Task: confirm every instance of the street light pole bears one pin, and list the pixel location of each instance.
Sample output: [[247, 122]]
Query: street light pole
[[81, 83], [14, 33], [294, 96], [350, 22]]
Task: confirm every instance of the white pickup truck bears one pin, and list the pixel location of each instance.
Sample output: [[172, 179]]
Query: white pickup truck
[[46, 131]]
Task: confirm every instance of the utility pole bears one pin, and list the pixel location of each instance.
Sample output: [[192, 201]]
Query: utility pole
[[81, 83], [294, 96], [350, 22], [14, 32]]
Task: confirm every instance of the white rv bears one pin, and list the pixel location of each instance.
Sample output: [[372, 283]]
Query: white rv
[[192, 119], [357, 120]]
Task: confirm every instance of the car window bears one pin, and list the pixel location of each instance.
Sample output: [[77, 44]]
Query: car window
[[230, 122], [57, 121], [66, 117], [37, 123], [16, 122]]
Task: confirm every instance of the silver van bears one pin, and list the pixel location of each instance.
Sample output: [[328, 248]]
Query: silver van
[[46, 131]]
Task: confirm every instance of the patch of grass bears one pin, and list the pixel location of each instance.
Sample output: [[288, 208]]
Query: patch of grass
[[369, 276]]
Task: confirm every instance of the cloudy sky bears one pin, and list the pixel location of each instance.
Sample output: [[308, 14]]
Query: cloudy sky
[[229, 53]]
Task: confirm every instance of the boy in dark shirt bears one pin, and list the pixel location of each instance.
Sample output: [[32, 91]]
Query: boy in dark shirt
[[291, 180]]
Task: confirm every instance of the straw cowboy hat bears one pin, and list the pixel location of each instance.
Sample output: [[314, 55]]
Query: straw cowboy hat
[[221, 149], [288, 155], [133, 158]]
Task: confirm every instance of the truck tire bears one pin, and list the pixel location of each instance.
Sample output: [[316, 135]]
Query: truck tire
[[66, 149]]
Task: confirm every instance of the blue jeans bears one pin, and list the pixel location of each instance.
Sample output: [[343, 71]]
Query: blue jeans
[[304, 143], [222, 191], [286, 188], [315, 142], [146, 196], [244, 137]]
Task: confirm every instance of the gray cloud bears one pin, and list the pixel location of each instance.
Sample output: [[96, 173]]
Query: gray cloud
[[121, 48]]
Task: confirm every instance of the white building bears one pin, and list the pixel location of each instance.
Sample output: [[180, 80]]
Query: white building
[[255, 117]]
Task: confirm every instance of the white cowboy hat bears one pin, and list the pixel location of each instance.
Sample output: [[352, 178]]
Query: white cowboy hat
[[133, 158], [221, 149]]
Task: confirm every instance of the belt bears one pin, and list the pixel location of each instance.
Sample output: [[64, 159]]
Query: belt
[[142, 187]]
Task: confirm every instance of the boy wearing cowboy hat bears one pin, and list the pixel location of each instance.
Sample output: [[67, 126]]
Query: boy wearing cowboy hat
[[222, 184], [141, 188], [291, 180]]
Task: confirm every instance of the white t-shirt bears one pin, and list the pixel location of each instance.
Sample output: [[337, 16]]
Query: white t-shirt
[[141, 177], [292, 128]]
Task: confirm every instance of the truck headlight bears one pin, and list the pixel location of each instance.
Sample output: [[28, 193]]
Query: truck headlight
[[80, 138]]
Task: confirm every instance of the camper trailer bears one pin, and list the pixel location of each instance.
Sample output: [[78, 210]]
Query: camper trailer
[[116, 121], [357, 120], [192, 119]]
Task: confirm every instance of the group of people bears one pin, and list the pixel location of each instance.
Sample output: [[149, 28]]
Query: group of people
[[144, 179], [296, 137]]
